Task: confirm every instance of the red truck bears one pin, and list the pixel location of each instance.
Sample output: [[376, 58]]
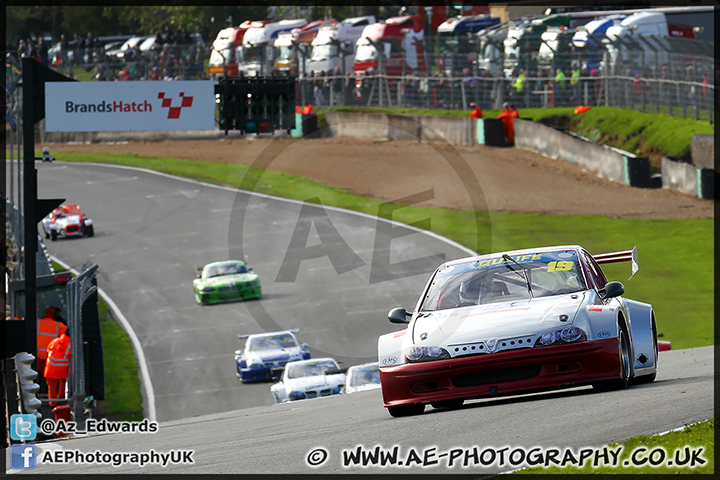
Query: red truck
[[399, 37], [226, 48]]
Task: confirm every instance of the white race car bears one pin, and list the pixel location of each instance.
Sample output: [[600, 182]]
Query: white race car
[[320, 377], [518, 321], [67, 221]]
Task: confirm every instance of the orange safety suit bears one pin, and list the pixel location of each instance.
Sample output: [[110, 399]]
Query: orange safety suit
[[308, 110], [57, 366], [47, 329], [476, 113], [507, 116]]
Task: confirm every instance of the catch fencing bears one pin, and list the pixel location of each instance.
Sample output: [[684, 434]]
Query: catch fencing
[[647, 74]]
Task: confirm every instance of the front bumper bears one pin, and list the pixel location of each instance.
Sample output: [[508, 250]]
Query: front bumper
[[228, 294], [501, 373]]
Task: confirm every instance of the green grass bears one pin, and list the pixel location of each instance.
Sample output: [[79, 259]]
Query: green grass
[[643, 134], [693, 438], [676, 255], [123, 400]]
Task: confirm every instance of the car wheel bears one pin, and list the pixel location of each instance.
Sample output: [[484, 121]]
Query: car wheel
[[449, 404], [53, 235], [47, 235], [624, 380], [90, 231], [407, 410]]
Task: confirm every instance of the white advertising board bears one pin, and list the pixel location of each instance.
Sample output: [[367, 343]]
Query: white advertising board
[[129, 106]]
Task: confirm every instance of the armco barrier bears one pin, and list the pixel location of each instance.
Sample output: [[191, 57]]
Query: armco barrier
[[605, 162], [698, 182]]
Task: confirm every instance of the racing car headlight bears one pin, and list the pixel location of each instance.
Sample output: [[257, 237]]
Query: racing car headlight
[[254, 363], [252, 283], [426, 354], [566, 335], [295, 395], [207, 289]]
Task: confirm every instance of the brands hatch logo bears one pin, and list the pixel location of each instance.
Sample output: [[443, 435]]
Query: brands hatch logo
[[120, 106], [174, 112]]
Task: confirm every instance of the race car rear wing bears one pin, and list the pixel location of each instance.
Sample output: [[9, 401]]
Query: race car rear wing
[[246, 335], [623, 256]]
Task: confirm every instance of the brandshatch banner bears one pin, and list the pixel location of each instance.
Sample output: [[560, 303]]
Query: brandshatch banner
[[129, 106]]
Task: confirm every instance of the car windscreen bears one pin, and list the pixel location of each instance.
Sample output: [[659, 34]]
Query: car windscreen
[[498, 279], [298, 370], [223, 269], [275, 342]]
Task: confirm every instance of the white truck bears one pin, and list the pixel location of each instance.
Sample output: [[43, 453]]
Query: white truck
[[257, 55], [657, 25], [335, 43], [288, 61]]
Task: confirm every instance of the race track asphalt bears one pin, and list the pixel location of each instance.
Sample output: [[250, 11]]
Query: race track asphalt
[[332, 274]]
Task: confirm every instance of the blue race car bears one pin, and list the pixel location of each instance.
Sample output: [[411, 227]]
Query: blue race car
[[265, 355]]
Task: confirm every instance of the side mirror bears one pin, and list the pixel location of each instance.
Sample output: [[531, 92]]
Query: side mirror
[[398, 315], [612, 289]]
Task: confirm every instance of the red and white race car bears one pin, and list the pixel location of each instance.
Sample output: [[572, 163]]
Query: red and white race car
[[67, 221], [517, 321]]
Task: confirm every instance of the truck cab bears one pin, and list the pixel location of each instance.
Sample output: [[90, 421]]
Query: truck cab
[[225, 51], [335, 44], [624, 48], [456, 40], [257, 57], [399, 37], [287, 57]]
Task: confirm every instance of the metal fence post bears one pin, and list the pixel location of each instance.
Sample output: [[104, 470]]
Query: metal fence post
[[78, 290]]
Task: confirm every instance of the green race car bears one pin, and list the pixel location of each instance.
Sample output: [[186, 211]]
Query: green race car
[[226, 281]]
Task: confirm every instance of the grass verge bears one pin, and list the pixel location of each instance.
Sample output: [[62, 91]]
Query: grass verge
[[688, 451]]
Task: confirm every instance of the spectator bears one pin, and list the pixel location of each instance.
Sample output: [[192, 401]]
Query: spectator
[[519, 85], [167, 35], [540, 86], [317, 92], [560, 87], [91, 44], [78, 50], [22, 48], [476, 111], [575, 82], [30, 50], [158, 43], [200, 56], [507, 116], [42, 51]]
